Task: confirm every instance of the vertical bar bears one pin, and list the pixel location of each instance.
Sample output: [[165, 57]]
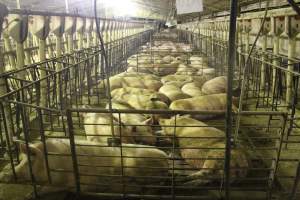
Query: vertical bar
[[20, 58], [275, 161], [231, 64], [296, 184], [73, 150], [43, 139], [275, 62], [121, 154], [289, 78], [8, 141], [173, 153], [42, 57], [263, 62], [25, 124]]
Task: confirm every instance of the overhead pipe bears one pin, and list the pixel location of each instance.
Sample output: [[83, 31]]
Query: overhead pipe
[[294, 5]]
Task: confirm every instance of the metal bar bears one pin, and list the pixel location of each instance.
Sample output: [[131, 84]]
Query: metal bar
[[28, 151], [231, 65], [293, 194], [43, 139], [181, 112], [73, 151]]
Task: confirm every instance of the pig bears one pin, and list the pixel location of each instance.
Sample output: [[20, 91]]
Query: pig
[[139, 75], [173, 92], [193, 143], [131, 81], [180, 78], [140, 125], [215, 86], [199, 80], [199, 62], [214, 102], [184, 69], [176, 83], [143, 68], [142, 58], [192, 89], [93, 160], [168, 59], [97, 127], [165, 69], [139, 91], [142, 101], [209, 73], [182, 58]]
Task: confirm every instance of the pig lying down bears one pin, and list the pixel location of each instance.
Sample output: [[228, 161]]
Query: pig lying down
[[172, 91], [214, 102], [139, 91], [99, 166], [131, 128], [133, 80], [98, 129], [215, 86], [203, 147]]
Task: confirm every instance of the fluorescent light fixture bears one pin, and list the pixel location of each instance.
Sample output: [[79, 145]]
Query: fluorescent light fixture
[[121, 7], [189, 6]]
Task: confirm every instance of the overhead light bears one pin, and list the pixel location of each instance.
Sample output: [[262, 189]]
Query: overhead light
[[121, 7], [189, 6]]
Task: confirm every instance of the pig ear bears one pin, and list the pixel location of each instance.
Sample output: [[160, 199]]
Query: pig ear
[[149, 121], [33, 150]]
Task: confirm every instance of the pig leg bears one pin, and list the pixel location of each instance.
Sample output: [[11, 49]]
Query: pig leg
[[213, 169], [198, 178], [208, 172]]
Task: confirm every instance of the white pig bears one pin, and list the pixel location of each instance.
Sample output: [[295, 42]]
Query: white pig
[[139, 91], [215, 86], [97, 127], [214, 102], [142, 101], [173, 92], [193, 142], [192, 89], [180, 78], [165, 69], [184, 69], [139, 124], [138, 82], [99, 166]]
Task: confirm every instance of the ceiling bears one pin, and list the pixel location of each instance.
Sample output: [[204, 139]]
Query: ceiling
[[211, 7], [150, 9], [153, 9]]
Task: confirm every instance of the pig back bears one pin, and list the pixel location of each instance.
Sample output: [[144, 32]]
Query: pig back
[[215, 102], [173, 92], [97, 128], [139, 163], [100, 167], [138, 91], [192, 89], [215, 86]]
